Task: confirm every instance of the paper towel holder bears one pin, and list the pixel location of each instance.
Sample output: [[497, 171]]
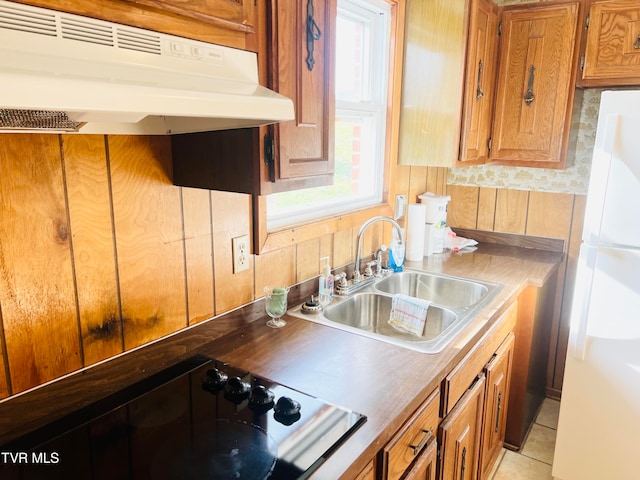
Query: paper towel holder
[[400, 206]]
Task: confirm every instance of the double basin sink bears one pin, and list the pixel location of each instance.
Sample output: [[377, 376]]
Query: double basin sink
[[455, 302]]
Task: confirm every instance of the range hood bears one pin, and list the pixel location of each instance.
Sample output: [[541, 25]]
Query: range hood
[[67, 73]]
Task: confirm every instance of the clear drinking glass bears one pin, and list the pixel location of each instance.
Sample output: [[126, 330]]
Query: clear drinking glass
[[276, 305]]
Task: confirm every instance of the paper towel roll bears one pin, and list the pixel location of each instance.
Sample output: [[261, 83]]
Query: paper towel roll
[[415, 231]]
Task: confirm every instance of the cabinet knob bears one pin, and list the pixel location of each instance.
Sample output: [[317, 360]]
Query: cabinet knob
[[636, 44]]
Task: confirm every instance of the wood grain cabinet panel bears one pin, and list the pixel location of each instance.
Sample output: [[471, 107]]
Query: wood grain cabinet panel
[[435, 41], [288, 155], [496, 399], [411, 440], [232, 23], [459, 435], [425, 466], [479, 82], [233, 15], [302, 70], [535, 87], [612, 55]]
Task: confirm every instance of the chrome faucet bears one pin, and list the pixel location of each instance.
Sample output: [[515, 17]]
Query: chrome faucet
[[356, 270]]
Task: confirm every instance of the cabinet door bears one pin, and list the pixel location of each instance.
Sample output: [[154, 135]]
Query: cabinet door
[[435, 43], [498, 373], [412, 439], [534, 97], [479, 82], [459, 435], [612, 55], [368, 473], [302, 43], [425, 466], [234, 16]]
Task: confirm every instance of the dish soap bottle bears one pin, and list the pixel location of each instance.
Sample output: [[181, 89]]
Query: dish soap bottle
[[396, 253], [326, 281]]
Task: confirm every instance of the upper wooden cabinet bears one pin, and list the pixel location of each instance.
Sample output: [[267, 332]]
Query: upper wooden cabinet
[[225, 22], [479, 84], [536, 84], [298, 59], [237, 17], [468, 60], [435, 42], [612, 51]]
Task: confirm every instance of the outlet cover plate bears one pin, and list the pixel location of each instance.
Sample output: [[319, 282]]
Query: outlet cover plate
[[240, 248]]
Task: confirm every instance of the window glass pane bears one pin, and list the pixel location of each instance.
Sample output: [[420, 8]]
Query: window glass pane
[[352, 59], [357, 181]]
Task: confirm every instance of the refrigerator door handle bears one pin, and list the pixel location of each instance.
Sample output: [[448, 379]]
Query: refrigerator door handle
[[581, 298]]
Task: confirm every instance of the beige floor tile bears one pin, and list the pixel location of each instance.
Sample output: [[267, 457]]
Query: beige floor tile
[[518, 467], [496, 465], [540, 444], [548, 414]]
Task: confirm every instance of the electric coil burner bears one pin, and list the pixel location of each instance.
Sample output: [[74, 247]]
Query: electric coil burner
[[201, 419]]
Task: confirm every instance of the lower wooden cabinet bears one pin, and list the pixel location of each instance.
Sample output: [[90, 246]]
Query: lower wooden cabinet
[[496, 400], [459, 435], [458, 432], [425, 466], [368, 473], [406, 448]]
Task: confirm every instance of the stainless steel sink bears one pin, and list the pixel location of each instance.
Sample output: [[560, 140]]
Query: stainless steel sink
[[444, 290], [455, 302], [370, 312]]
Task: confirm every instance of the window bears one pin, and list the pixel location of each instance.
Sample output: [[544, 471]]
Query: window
[[363, 41]]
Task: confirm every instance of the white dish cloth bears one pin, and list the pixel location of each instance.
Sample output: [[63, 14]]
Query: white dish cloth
[[408, 314]]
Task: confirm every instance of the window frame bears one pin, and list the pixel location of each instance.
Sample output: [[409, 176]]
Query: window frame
[[267, 241]]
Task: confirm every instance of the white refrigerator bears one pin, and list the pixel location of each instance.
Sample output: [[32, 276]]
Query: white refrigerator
[[599, 425]]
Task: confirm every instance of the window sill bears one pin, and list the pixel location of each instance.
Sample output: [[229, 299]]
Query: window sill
[[266, 241]]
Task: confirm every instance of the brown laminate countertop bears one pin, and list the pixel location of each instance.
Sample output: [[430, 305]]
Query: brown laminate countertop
[[382, 381]]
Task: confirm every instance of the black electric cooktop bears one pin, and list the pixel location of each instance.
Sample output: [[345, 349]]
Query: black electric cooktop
[[200, 419]]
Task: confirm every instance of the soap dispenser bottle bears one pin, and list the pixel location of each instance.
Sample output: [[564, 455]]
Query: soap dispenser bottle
[[326, 283], [396, 253]]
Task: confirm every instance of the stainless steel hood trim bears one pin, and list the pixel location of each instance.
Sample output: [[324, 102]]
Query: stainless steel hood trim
[[117, 79]]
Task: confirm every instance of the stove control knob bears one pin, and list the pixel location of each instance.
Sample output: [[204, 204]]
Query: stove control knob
[[215, 380], [286, 411], [261, 397], [237, 388]]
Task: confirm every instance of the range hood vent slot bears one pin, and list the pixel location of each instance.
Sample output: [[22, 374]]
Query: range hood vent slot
[[78, 28], [37, 119]]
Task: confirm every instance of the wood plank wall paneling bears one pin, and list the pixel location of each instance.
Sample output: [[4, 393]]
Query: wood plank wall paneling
[[37, 286], [545, 214], [511, 211], [231, 218], [149, 247], [101, 253], [198, 251], [487, 208], [87, 177]]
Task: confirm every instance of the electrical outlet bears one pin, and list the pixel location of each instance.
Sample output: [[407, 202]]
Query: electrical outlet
[[240, 247]]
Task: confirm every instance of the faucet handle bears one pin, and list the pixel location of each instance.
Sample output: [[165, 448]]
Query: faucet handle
[[368, 271]]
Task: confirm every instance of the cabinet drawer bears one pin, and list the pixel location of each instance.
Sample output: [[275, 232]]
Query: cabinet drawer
[[411, 439], [463, 375]]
